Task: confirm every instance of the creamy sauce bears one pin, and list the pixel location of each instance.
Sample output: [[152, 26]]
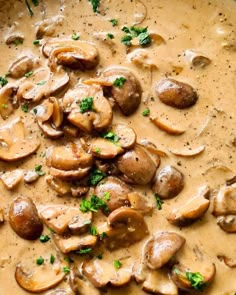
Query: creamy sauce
[[204, 26]]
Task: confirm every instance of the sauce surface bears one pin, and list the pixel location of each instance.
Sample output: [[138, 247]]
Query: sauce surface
[[176, 27]]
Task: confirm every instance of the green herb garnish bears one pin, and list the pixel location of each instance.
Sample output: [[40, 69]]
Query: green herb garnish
[[42, 82], [84, 251], [102, 235], [4, 106], [117, 264], [68, 259], [126, 40], [37, 169], [196, 280], [75, 37], [35, 2], [36, 42], [96, 176], [86, 104], [97, 150], [95, 4], [114, 22], [27, 75], [107, 196], [40, 260], [44, 238], [31, 13], [136, 32], [66, 269], [119, 82], [52, 258], [3, 81], [144, 39], [93, 230], [94, 204], [146, 112], [24, 108], [99, 256], [159, 202], [110, 36], [111, 136]]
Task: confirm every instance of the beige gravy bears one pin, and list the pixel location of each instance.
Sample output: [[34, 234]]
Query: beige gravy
[[208, 27]]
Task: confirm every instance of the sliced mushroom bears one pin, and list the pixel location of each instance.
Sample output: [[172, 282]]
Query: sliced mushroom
[[2, 218], [30, 176], [61, 187], [74, 243], [228, 261], [14, 145], [11, 179], [44, 111], [176, 94], [105, 149], [41, 278], [15, 38], [137, 165], [196, 59], [152, 148], [47, 27], [204, 269], [192, 210], [139, 202], [126, 135], [24, 218], [161, 248], [116, 192], [21, 66], [101, 273], [158, 282], [7, 101], [128, 96], [49, 131], [60, 217], [57, 292], [79, 191], [190, 152], [168, 182], [227, 223], [167, 127], [225, 201]]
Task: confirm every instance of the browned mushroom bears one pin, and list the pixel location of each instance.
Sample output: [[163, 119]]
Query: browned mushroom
[[60, 218], [166, 126], [227, 223], [61, 187], [14, 144], [227, 261], [139, 202], [7, 101], [57, 292], [47, 27], [168, 182], [21, 66], [30, 176], [2, 218], [24, 218], [176, 94], [225, 201], [127, 94], [105, 149], [41, 278], [126, 135], [192, 210], [11, 179], [73, 54], [161, 248], [115, 191], [196, 59], [152, 148], [15, 38], [137, 165], [101, 273]]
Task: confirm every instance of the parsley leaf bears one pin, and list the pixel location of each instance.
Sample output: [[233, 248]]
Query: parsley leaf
[[97, 150], [196, 280], [42, 82], [40, 260], [95, 4], [136, 32], [94, 204], [93, 230], [117, 264], [4, 106], [96, 177], [44, 238], [3, 81], [102, 235], [31, 13], [146, 112], [99, 256], [126, 40], [114, 22], [24, 108], [52, 258], [66, 269], [27, 75], [38, 170], [144, 39], [111, 136], [107, 196], [75, 37], [159, 202], [35, 2], [86, 104], [119, 82], [84, 251], [36, 42], [68, 259], [110, 36], [126, 30]]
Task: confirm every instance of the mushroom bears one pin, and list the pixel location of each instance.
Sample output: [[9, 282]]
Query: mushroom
[[176, 94], [225, 201], [168, 182], [24, 218], [167, 127], [128, 95], [7, 100], [11, 179], [137, 165], [160, 248], [14, 145], [115, 190], [41, 278], [2, 218], [61, 187], [47, 27], [192, 210], [101, 273], [126, 135], [196, 59], [73, 54], [227, 223], [183, 276], [21, 66], [105, 149], [152, 149], [189, 152], [61, 218], [30, 176], [49, 131], [140, 202], [57, 292], [158, 282], [74, 243], [227, 261], [15, 38]]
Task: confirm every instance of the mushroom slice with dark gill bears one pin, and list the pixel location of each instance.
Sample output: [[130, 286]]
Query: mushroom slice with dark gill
[[24, 218], [69, 53], [137, 165], [196, 59], [168, 182], [224, 202], [40, 278], [227, 223], [161, 248], [11, 179], [192, 210], [125, 89], [227, 261], [21, 66], [7, 100], [176, 94], [101, 273], [14, 144]]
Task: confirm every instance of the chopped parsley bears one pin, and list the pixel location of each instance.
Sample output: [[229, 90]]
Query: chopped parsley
[[38, 170], [66, 269], [196, 280], [3, 81], [84, 251], [35, 2], [68, 259], [96, 176], [27, 75], [86, 104], [136, 32], [40, 260], [94, 204], [111, 136], [87, 222], [117, 264], [97, 150], [119, 82], [126, 30], [99, 256], [31, 13], [4, 106], [93, 230], [18, 41], [110, 36], [159, 202], [42, 82], [144, 39], [44, 238], [24, 108], [102, 235], [126, 40], [75, 37], [36, 42], [114, 22], [95, 4], [35, 111], [52, 258], [107, 196], [146, 112]]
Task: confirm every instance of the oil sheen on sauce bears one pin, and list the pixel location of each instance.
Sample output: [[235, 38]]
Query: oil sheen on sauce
[[208, 27]]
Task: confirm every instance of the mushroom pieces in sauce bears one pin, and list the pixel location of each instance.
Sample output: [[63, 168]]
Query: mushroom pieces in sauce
[[7, 100], [21, 66], [176, 94]]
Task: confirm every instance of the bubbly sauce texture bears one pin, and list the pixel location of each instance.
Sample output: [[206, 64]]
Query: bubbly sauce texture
[[192, 42]]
